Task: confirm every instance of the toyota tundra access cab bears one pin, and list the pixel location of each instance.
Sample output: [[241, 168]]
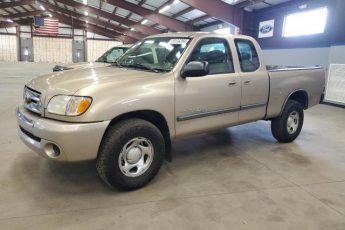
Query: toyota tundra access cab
[[167, 86]]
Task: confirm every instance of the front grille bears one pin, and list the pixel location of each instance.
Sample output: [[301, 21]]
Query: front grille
[[27, 133], [32, 100]]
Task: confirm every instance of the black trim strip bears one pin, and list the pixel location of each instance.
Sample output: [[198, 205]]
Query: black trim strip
[[27, 133], [252, 106], [206, 114], [217, 112]]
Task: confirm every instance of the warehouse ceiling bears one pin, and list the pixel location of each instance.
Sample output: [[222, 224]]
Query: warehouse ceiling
[[130, 20]]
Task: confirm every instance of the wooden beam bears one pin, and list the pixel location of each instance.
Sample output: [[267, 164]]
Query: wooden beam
[[171, 23], [18, 3], [27, 14], [82, 17], [182, 12], [139, 27], [248, 3], [74, 23], [218, 9], [15, 23]]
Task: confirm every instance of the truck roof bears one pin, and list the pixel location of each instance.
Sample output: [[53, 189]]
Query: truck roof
[[193, 34]]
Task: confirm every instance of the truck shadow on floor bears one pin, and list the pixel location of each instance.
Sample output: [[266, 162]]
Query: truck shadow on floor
[[82, 178]]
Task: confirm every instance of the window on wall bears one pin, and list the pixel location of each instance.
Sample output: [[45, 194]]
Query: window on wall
[[305, 23]]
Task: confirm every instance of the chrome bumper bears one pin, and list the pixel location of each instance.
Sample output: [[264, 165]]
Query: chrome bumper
[[75, 141]]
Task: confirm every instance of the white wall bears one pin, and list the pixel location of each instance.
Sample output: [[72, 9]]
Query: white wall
[[306, 56], [48, 49], [95, 48], [8, 48], [337, 55]]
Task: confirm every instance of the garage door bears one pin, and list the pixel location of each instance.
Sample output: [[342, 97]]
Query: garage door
[[48, 49], [8, 48]]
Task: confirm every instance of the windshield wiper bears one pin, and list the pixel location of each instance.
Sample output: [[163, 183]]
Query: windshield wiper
[[142, 66]]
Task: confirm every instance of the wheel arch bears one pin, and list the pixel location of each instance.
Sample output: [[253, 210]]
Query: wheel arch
[[154, 117], [300, 96]]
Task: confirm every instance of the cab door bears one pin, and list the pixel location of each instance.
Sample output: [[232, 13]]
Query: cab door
[[255, 82], [211, 101]]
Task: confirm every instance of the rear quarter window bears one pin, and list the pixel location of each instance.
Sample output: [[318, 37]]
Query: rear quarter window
[[247, 55]]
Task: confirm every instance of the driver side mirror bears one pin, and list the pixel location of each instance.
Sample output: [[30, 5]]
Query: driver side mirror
[[195, 69]]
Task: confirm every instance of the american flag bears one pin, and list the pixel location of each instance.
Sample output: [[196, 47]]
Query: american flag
[[46, 25]]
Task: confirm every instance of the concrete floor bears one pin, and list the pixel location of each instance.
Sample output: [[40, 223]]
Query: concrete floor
[[237, 178]]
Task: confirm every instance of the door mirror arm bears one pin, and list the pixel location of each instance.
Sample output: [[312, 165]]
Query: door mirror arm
[[195, 69]]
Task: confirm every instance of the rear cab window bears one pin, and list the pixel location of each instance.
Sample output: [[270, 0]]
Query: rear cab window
[[247, 54]]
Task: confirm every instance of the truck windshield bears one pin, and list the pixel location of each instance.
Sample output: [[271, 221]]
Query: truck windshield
[[155, 54], [112, 55]]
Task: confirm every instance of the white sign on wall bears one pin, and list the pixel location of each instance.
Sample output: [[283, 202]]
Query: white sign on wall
[[266, 29], [335, 91]]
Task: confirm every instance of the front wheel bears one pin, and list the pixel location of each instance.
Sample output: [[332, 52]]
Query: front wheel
[[288, 125], [131, 154]]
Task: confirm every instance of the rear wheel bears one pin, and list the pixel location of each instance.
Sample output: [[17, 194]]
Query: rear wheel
[[288, 125], [131, 154]]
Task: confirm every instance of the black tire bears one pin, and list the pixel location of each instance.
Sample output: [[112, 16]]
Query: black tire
[[279, 125], [115, 139]]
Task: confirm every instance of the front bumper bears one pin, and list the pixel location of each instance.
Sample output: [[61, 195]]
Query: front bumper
[[72, 141]]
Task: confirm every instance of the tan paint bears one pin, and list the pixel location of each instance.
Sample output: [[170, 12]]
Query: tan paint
[[116, 91]]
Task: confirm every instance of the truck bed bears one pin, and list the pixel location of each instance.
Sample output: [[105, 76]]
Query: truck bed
[[286, 80]]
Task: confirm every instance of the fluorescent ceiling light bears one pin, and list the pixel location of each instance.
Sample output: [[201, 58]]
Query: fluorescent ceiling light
[[9, 20], [86, 13], [85, 2], [87, 21], [42, 7], [50, 15], [176, 1], [165, 8], [144, 21], [132, 29]]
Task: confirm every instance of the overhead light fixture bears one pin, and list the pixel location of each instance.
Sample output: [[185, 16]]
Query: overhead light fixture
[[85, 2], [165, 8], [50, 15], [87, 21], [86, 13], [132, 29], [144, 21], [9, 20], [176, 1], [42, 7]]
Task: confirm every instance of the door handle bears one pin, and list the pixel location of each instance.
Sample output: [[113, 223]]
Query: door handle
[[232, 83], [247, 82]]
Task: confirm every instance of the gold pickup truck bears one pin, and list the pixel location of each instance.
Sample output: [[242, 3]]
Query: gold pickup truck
[[165, 87]]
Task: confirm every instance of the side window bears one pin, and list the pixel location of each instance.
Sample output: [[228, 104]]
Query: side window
[[216, 52], [248, 56], [114, 55], [147, 55]]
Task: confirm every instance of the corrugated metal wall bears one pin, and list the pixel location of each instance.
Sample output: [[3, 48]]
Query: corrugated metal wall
[[8, 48]]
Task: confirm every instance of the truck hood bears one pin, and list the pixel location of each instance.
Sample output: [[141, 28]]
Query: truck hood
[[80, 65], [69, 82]]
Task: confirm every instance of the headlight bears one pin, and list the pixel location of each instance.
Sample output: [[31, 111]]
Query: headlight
[[68, 105]]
